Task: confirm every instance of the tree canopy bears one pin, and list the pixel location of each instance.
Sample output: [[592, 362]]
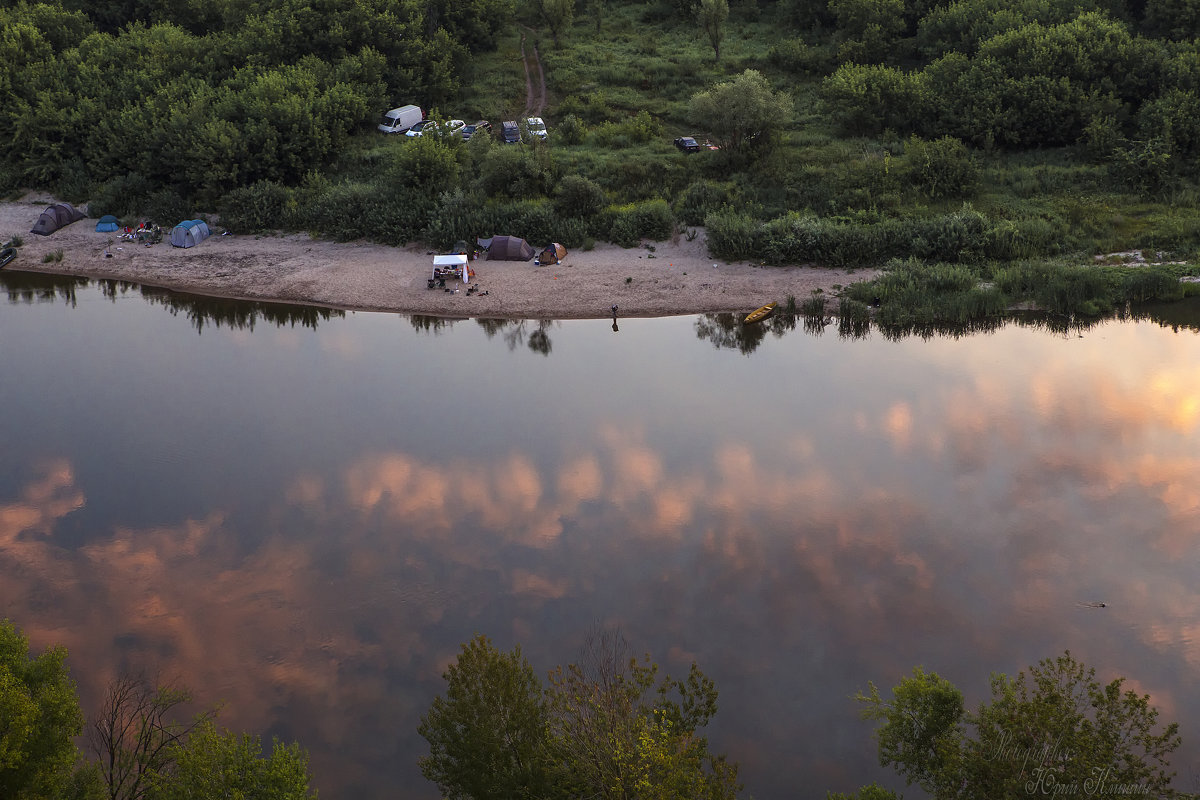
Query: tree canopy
[[39, 719], [606, 727], [1053, 729]]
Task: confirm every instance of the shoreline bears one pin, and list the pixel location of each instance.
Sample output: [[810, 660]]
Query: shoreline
[[677, 277]]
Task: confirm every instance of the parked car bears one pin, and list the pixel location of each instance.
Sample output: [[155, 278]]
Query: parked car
[[510, 133], [447, 128], [687, 144], [537, 128], [483, 126], [399, 120]]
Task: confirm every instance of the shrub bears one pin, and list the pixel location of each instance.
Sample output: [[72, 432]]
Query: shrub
[[700, 199], [940, 168], [651, 219], [578, 196], [264, 205], [570, 129]]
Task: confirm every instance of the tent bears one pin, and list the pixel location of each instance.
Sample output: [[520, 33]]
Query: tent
[[189, 233], [507, 248], [55, 217], [107, 224], [553, 254]]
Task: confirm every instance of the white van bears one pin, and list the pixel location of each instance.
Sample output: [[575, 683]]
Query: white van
[[398, 120]]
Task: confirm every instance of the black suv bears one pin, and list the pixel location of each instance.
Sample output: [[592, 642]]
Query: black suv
[[510, 133], [483, 126]]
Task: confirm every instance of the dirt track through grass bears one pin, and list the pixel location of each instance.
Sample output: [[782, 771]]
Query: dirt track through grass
[[535, 82]]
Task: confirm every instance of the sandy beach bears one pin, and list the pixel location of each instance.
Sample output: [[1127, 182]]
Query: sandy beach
[[655, 279]]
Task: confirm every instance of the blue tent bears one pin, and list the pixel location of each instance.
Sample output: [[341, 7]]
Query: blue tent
[[107, 224], [189, 233]]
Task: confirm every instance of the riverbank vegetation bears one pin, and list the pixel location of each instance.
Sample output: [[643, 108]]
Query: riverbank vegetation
[[1013, 143], [605, 727], [143, 745]]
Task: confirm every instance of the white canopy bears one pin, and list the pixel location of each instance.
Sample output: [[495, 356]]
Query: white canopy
[[456, 260]]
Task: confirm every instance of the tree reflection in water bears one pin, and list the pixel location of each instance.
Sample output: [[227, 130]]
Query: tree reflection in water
[[28, 287], [517, 332], [726, 331]]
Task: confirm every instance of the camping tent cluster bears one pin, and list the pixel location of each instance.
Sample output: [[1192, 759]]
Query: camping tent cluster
[[189, 233], [56, 216], [512, 248]]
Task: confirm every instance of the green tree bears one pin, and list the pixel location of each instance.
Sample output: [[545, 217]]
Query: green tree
[[559, 14], [215, 764], [743, 114], [134, 736], [488, 736], [620, 732], [713, 14], [1053, 729], [39, 718]]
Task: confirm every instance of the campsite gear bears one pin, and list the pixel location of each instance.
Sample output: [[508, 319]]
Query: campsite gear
[[107, 224], [56, 216], [553, 254], [189, 233], [7, 255], [399, 120], [453, 266], [759, 314], [507, 248]]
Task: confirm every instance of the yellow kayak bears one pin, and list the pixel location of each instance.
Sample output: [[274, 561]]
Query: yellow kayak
[[759, 314]]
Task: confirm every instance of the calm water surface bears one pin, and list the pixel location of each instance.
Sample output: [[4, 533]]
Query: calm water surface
[[303, 514]]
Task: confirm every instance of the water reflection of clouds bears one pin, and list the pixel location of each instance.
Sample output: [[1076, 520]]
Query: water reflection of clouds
[[994, 504]]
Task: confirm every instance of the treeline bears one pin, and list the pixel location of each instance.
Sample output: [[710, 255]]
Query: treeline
[[1120, 79], [139, 745], [175, 104], [607, 727]]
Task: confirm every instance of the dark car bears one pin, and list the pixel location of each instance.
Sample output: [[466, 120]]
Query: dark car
[[687, 144], [510, 133], [483, 126]]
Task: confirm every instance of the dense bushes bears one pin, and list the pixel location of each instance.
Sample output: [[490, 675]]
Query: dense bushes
[[964, 236]]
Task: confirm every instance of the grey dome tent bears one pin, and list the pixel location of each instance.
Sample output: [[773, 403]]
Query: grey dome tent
[[507, 248], [189, 233], [55, 217], [107, 224]]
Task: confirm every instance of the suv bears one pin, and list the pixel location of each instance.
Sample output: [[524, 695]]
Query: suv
[[687, 144], [510, 133], [483, 126], [537, 128]]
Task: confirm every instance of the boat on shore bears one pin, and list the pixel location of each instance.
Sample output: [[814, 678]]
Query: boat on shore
[[761, 313], [7, 255]]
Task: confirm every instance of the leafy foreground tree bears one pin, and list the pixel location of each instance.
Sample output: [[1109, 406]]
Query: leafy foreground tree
[[606, 728], [221, 764], [488, 736], [743, 114], [1052, 730], [39, 718]]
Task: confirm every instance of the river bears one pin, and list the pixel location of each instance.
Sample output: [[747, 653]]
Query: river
[[302, 514]]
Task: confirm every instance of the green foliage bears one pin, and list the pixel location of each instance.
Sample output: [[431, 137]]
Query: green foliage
[[941, 168], [570, 130], [558, 15], [262, 206], [577, 196], [39, 719], [1052, 728], [701, 198], [214, 763], [712, 15], [743, 114], [488, 736], [619, 731], [868, 29], [871, 792], [651, 219]]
